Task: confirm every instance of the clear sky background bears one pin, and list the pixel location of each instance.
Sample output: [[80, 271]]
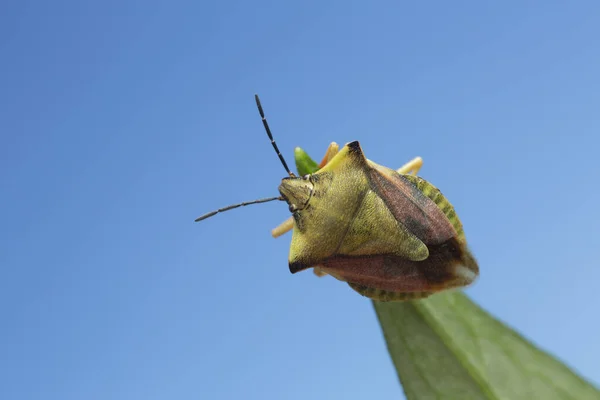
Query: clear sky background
[[122, 121]]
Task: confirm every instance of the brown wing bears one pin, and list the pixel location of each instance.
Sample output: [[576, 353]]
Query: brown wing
[[417, 212]]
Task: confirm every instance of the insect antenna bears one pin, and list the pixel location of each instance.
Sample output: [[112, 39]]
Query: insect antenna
[[266, 125], [231, 207]]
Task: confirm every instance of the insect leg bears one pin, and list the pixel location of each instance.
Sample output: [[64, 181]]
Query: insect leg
[[284, 227], [332, 150], [413, 166]]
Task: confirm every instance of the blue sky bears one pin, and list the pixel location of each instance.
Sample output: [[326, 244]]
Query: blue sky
[[122, 121]]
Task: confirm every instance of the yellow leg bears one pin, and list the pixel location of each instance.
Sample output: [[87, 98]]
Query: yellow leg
[[413, 166], [332, 150], [284, 227], [288, 224]]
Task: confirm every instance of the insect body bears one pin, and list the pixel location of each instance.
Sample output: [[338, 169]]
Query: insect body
[[388, 234]]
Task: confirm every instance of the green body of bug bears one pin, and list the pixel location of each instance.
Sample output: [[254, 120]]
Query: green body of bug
[[389, 234]]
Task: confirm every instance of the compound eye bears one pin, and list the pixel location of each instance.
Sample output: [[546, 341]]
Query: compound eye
[[292, 208]]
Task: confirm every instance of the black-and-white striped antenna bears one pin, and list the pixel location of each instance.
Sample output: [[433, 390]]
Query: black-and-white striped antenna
[[231, 207], [266, 125]]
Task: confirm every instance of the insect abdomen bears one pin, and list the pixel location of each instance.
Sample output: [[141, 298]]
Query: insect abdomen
[[441, 201], [386, 295]]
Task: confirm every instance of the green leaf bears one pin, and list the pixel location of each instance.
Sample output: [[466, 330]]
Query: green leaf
[[448, 347], [304, 164]]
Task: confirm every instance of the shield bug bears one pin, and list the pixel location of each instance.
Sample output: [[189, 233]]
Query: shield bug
[[387, 233]]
